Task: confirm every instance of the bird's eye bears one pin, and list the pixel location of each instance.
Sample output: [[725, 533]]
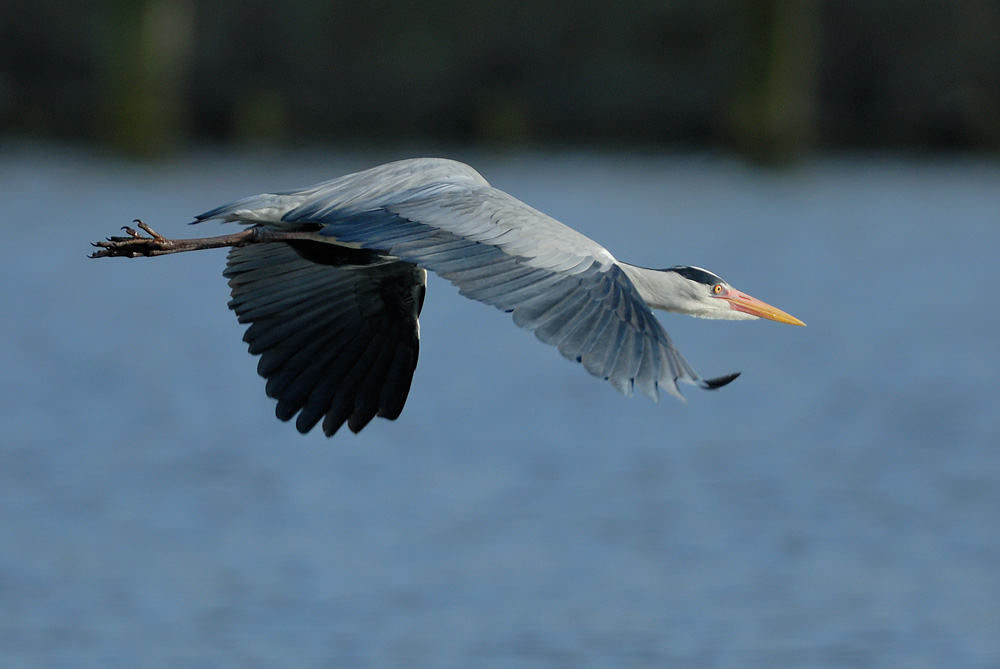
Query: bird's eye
[[717, 289]]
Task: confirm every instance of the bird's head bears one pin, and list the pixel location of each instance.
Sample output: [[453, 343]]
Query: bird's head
[[698, 292]]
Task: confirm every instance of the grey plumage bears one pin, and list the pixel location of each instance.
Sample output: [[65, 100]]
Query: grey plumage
[[334, 317]]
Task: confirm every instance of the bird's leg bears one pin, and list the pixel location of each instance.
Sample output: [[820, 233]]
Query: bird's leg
[[136, 245]]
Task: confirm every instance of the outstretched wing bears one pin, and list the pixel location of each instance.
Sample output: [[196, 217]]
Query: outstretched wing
[[558, 283], [443, 216], [338, 340]]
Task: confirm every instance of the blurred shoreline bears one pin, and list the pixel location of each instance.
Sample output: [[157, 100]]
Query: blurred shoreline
[[769, 80]]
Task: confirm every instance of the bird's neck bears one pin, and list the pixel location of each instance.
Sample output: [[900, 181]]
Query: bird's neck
[[661, 289]]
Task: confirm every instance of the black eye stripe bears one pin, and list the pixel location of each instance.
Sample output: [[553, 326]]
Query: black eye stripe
[[697, 274]]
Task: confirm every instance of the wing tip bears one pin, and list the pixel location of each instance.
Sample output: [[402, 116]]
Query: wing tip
[[718, 382]]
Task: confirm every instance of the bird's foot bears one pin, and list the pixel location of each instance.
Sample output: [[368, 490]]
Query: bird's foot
[[133, 245]]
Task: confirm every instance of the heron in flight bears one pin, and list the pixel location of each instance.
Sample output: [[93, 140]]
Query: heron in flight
[[331, 281]]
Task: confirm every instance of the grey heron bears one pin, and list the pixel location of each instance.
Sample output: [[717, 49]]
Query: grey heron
[[330, 280]]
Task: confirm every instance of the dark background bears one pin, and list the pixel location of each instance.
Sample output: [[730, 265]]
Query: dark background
[[766, 79]]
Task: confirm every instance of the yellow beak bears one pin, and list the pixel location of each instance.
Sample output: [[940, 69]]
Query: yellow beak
[[751, 305]]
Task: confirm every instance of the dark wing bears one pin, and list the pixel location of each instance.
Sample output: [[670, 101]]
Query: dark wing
[[336, 329]]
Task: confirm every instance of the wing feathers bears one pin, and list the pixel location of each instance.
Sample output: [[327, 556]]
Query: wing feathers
[[337, 343], [338, 339], [545, 292]]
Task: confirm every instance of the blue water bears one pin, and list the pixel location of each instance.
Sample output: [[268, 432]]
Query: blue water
[[838, 505]]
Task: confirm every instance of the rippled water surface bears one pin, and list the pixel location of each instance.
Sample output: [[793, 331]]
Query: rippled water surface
[[838, 505]]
